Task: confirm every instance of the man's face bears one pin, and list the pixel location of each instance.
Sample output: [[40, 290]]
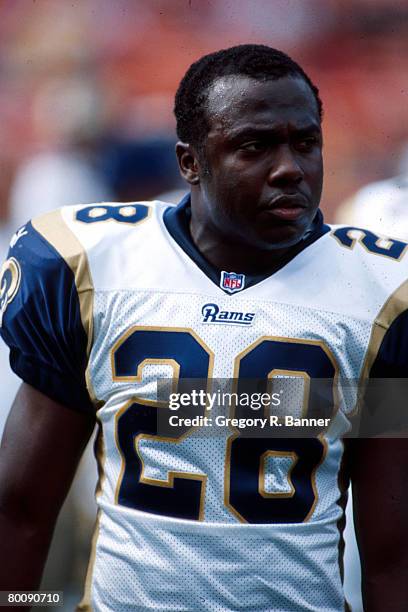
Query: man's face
[[263, 154]]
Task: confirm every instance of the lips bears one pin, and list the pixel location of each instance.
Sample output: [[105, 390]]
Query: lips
[[287, 207], [286, 200]]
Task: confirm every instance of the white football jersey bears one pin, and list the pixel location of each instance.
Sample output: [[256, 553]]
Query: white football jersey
[[100, 302]]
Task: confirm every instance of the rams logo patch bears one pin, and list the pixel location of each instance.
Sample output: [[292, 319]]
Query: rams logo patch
[[10, 278], [212, 314]]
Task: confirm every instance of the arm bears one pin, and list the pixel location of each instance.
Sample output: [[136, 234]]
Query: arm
[[379, 472], [41, 447]]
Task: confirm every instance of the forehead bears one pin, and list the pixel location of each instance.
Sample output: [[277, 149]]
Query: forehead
[[236, 99]]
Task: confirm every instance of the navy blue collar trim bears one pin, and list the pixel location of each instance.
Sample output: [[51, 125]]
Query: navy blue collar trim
[[177, 221]]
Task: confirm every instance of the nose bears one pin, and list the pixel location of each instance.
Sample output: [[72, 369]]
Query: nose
[[285, 167]]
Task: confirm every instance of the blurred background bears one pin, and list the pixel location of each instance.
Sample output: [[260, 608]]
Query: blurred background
[[86, 98]]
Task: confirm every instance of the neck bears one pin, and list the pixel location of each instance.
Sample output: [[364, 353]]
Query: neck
[[230, 255]]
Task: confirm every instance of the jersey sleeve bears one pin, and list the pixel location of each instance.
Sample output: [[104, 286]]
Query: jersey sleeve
[[385, 410], [40, 320]]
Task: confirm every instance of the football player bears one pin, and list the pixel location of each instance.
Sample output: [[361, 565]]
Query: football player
[[242, 280]]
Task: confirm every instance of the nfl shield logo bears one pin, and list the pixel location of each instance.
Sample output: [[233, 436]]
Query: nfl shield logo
[[232, 282]]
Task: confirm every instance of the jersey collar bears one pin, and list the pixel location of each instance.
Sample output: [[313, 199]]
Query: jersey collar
[[177, 222]]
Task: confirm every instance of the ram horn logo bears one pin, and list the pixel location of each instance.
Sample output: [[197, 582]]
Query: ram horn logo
[[10, 278]]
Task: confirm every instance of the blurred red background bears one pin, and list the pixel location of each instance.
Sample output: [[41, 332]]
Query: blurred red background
[[91, 73]]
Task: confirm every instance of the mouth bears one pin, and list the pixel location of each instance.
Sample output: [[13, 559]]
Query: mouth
[[288, 207]]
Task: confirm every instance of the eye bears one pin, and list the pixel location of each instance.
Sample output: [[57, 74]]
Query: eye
[[307, 144], [253, 146]]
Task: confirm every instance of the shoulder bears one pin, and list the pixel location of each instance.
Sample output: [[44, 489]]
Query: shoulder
[[73, 228], [364, 243], [370, 271], [369, 256], [53, 250], [70, 234], [76, 242], [32, 263]]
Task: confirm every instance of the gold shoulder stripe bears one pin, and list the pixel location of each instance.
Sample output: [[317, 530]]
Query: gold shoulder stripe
[[393, 307], [53, 228]]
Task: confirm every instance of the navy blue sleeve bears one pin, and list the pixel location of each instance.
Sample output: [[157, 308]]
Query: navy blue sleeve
[[40, 320], [385, 407], [392, 357]]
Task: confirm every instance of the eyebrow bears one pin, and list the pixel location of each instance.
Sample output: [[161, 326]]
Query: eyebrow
[[250, 131]]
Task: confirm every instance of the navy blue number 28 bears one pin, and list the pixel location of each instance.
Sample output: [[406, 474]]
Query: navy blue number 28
[[182, 495]]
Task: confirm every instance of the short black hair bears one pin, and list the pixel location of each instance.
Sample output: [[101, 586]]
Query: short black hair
[[259, 62]]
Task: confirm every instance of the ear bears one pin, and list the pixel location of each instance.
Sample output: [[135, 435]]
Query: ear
[[188, 163]]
